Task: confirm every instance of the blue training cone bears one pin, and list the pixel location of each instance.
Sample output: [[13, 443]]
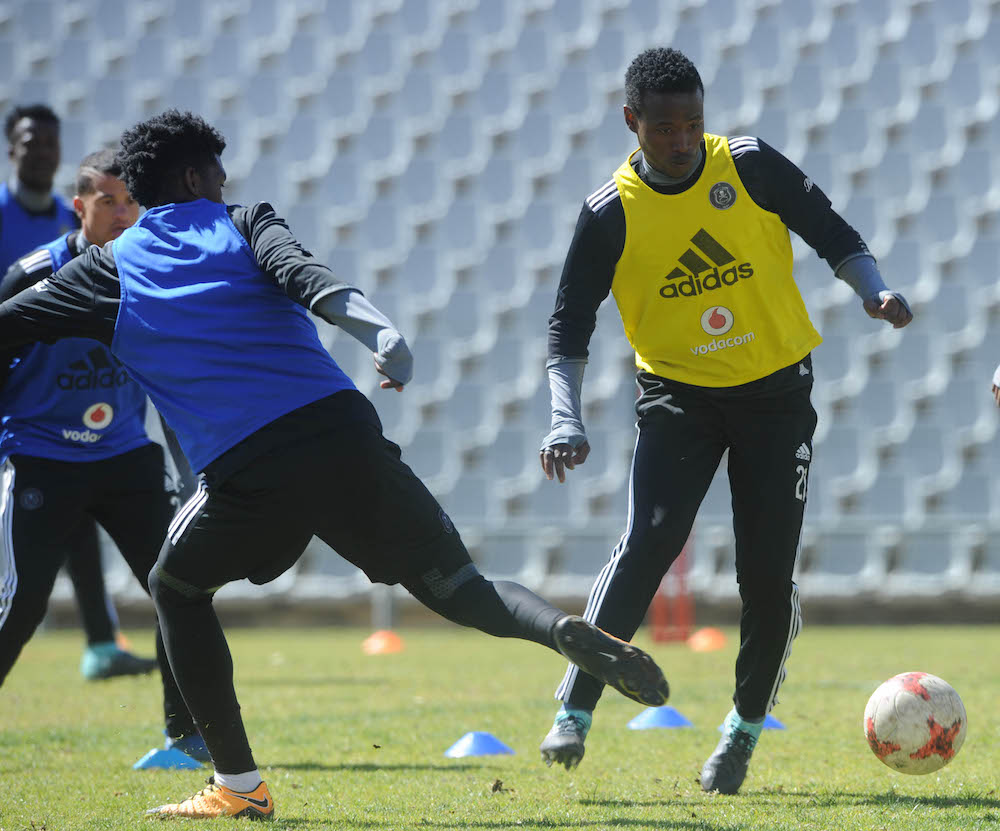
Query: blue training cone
[[770, 723], [477, 743], [652, 717], [160, 759]]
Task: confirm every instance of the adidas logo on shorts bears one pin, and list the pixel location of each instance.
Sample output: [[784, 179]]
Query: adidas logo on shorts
[[803, 453]]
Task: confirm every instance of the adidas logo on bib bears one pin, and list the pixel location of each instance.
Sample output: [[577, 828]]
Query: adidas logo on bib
[[698, 275], [803, 453]]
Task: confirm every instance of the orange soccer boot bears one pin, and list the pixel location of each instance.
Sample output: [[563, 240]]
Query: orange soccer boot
[[220, 801]]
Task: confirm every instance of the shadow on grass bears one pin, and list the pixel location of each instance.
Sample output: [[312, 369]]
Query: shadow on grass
[[324, 681], [524, 822], [889, 798], [366, 767], [614, 822], [823, 799]]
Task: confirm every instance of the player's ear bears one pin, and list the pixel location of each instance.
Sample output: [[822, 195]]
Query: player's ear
[[191, 181], [630, 120], [78, 206]]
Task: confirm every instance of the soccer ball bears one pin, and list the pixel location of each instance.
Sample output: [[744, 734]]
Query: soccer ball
[[915, 723]]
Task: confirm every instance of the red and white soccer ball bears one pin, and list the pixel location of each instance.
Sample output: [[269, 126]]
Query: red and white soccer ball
[[915, 723]]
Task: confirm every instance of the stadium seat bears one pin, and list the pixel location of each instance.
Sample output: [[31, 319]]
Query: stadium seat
[[437, 155]]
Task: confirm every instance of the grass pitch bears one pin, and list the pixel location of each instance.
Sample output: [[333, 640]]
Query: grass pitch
[[347, 741]]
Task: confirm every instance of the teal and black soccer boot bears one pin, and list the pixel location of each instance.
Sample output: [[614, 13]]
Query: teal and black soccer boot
[[564, 743], [726, 768], [107, 660]]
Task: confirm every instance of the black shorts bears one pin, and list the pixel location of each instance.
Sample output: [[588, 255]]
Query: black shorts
[[348, 486]]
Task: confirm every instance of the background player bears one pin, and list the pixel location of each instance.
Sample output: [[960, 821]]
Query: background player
[[75, 449], [703, 281], [204, 303], [31, 215]]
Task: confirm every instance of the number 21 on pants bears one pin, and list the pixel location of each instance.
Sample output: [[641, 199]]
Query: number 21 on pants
[[802, 484]]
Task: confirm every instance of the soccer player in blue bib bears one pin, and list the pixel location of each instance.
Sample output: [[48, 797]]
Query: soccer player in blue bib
[[32, 215], [206, 304], [75, 451]]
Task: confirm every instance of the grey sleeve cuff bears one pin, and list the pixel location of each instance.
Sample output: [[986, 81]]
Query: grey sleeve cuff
[[861, 273], [565, 386], [349, 309]]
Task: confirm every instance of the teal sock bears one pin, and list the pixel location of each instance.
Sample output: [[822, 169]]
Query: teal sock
[[583, 716], [734, 721], [103, 648]]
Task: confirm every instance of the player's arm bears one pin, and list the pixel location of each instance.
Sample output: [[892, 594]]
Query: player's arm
[[16, 280], [585, 282], [310, 283], [79, 301], [777, 185]]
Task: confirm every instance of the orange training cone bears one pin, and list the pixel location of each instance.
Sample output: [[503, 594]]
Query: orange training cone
[[707, 640], [382, 642]]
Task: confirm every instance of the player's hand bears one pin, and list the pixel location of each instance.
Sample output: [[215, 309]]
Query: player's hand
[[996, 394], [393, 360], [388, 383], [560, 457], [890, 306]]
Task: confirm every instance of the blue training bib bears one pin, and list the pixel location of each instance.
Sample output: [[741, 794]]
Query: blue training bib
[[213, 340], [71, 400]]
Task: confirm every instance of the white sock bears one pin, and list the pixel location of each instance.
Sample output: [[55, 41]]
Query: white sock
[[239, 782]]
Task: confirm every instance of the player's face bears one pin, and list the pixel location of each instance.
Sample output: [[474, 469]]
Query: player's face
[[34, 152], [670, 129], [106, 211]]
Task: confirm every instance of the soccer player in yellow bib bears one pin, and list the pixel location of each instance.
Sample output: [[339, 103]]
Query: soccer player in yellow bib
[[691, 236]]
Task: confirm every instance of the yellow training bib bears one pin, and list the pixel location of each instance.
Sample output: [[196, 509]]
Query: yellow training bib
[[704, 284]]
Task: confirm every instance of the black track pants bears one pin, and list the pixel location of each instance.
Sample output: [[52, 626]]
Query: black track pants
[[683, 431], [43, 504]]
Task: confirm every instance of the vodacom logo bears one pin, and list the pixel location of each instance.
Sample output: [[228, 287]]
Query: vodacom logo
[[98, 416], [717, 320]]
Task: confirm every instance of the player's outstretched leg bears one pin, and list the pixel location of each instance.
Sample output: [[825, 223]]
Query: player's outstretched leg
[[509, 610], [617, 663]]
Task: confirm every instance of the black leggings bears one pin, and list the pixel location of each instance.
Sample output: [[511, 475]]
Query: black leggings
[[350, 488]]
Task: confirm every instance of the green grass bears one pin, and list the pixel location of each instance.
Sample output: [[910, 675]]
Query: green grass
[[347, 741]]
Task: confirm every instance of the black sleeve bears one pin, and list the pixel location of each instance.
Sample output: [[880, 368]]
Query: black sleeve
[[777, 185], [587, 275], [302, 277], [79, 301], [17, 279]]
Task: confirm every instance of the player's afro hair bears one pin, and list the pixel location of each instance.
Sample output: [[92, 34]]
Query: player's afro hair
[[38, 112], [155, 151], [659, 70]]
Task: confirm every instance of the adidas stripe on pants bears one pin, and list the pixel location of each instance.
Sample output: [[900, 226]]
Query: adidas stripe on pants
[[683, 432]]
